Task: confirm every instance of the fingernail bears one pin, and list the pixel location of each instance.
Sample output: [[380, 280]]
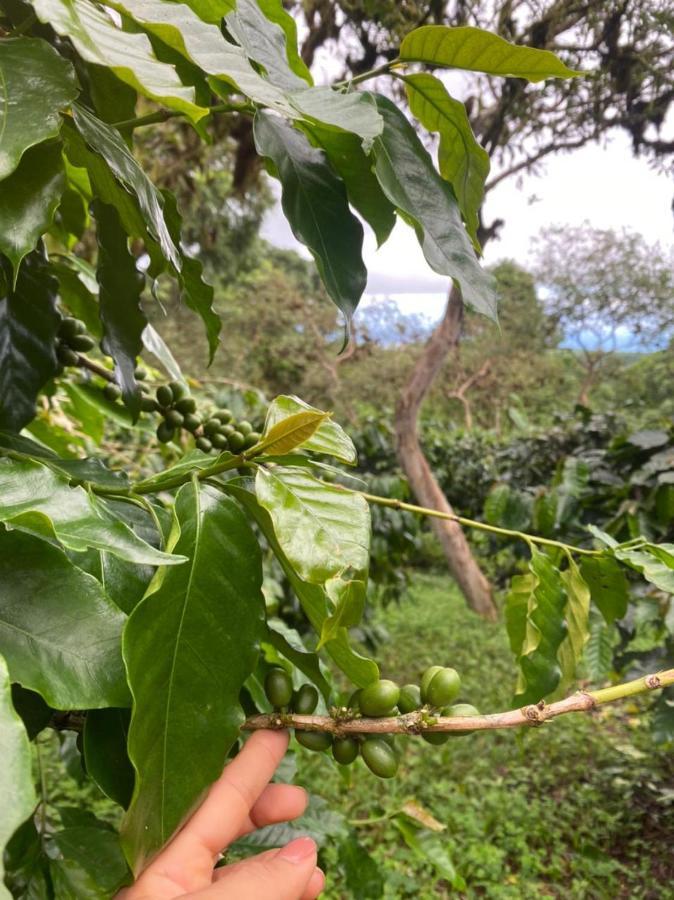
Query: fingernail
[[297, 851]]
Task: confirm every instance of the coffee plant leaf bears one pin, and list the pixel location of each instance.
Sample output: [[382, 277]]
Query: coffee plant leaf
[[461, 160], [96, 852], [322, 529], [291, 432], [329, 438], [28, 325], [99, 40], [121, 286], [346, 156], [577, 618], [315, 202], [16, 779], [189, 647], [288, 642], [105, 755], [411, 182], [608, 586], [654, 562], [480, 51], [276, 13], [353, 112], [33, 70], [64, 643], [36, 499], [30, 196]]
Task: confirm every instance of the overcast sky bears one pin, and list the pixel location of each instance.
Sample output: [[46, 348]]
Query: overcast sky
[[605, 185]]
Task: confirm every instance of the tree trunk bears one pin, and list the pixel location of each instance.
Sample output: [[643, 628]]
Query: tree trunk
[[473, 584]]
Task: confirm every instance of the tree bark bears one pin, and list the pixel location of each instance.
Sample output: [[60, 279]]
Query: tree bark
[[460, 561]]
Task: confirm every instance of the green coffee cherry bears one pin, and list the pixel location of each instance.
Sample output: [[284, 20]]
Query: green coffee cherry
[[186, 405], [140, 373], [305, 700], [345, 750], [443, 687], [178, 390], [211, 426], [252, 439], [380, 759], [203, 444], [430, 672], [278, 687], [82, 343], [191, 422], [236, 442], [164, 395], [69, 327], [67, 356], [460, 709], [314, 740], [147, 404], [219, 440], [410, 698], [245, 427], [435, 737], [112, 392], [224, 415], [227, 430], [379, 699], [164, 432], [174, 418]]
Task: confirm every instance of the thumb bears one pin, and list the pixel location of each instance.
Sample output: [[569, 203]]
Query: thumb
[[281, 875]]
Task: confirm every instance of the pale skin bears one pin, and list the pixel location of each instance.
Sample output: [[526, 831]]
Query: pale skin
[[240, 801]]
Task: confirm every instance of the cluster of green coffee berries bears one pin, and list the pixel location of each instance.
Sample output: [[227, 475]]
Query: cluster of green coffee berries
[[439, 687], [72, 339]]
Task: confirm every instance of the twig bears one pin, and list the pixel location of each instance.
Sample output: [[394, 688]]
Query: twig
[[423, 721]]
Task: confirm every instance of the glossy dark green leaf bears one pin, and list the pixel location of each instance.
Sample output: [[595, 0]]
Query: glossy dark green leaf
[[359, 669], [408, 178], [16, 777], [105, 754], [264, 42], [188, 648], [30, 196], [347, 157], [315, 203], [36, 499], [33, 711], [113, 99], [608, 586], [121, 286], [196, 293], [34, 71], [329, 438], [60, 634], [323, 530], [28, 326], [480, 51], [461, 160], [288, 642], [97, 852], [99, 40], [107, 142]]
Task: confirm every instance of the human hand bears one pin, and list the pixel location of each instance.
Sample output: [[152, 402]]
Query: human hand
[[240, 801]]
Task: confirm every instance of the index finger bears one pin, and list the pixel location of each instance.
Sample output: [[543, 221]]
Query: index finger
[[225, 810]]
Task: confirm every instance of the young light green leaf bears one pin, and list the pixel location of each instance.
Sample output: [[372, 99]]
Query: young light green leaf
[[347, 598], [28, 325], [107, 142], [264, 42], [329, 438], [120, 289], [461, 160], [40, 501], [480, 51], [608, 586], [347, 157], [65, 642], [316, 205], [189, 647], [360, 670], [321, 529], [203, 44], [98, 40], [354, 112], [290, 433], [34, 71], [516, 609], [17, 793], [408, 178], [30, 196]]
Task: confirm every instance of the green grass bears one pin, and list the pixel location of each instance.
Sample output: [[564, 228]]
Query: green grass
[[580, 808]]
